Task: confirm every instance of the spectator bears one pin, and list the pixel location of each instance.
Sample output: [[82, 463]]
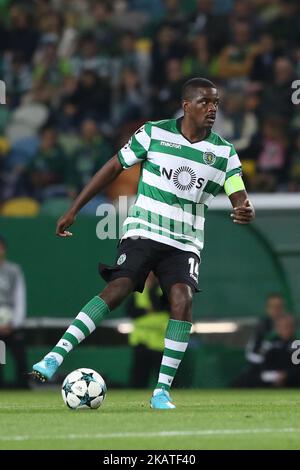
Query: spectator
[[276, 99], [173, 14], [215, 27], [130, 56], [165, 46], [243, 10], [167, 102], [263, 65], [275, 309], [17, 77], [130, 102], [237, 58], [92, 97], [93, 152], [89, 56], [272, 155], [276, 368], [104, 30], [12, 314], [50, 69], [238, 125], [285, 29], [23, 37], [197, 59]]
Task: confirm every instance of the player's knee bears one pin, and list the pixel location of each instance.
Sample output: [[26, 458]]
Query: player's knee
[[116, 291], [181, 297]]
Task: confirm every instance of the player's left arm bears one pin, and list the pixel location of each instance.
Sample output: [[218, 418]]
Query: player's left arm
[[243, 210]]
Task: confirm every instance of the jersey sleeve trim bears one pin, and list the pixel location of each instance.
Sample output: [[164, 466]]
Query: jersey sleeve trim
[[121, 160]]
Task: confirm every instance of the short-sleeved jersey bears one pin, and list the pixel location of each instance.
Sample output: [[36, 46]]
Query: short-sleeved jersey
[[178, 181]]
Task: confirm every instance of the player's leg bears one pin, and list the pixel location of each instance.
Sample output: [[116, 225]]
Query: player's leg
[[84, 324], [133, 264], [178, 275], [176, 342]]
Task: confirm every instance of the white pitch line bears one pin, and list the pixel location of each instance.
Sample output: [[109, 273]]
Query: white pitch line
[[204, 432]]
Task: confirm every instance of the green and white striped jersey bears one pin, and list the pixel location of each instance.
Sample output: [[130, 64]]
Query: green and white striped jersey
[[178, 181]]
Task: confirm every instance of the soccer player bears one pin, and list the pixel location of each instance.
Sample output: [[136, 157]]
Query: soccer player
[[184, 166]]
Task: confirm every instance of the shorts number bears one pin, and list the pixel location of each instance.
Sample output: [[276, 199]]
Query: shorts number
[[194, 267]]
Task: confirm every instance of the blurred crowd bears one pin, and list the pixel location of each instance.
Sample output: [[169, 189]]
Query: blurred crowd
[[272, 351], [82, 75]]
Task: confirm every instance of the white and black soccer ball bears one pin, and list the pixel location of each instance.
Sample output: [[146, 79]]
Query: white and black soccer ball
[[83, 388]]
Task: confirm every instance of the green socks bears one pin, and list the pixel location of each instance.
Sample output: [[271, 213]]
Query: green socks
[[83, 325], [176, 342]]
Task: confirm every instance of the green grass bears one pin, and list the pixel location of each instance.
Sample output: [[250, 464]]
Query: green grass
[[204, 419]]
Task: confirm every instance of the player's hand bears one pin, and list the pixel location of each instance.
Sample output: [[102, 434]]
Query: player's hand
[[64, 223], [243, 214]]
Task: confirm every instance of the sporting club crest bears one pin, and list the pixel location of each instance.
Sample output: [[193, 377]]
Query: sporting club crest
[[209, 158]]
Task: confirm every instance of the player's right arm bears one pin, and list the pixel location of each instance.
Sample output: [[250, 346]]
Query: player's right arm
[[100, 180]]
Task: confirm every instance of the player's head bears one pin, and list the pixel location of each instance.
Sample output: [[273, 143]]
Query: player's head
[[275, 307], [2, 248], [200, 100]]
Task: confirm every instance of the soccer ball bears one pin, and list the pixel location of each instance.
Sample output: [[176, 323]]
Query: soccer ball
[[83, 388]]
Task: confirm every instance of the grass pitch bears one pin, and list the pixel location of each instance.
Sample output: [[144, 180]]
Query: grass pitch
[[204, 419]]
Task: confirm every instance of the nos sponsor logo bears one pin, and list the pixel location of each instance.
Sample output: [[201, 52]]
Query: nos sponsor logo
[[183, 177]]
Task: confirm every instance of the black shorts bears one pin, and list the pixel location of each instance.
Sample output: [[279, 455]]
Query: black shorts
[[137, 257]]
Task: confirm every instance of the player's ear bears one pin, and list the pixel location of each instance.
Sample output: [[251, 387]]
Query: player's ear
[[186, 106]]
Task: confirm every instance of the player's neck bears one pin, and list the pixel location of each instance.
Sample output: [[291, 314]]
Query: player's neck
[[192, 133]]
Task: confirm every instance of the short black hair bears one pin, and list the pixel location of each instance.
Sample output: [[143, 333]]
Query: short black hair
[[193, 84]]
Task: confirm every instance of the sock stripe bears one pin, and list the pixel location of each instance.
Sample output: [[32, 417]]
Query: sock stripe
[[82, 327], [65, 344], [175, 345], [87, 321], [168, 370], [69, 337], [76, 332], [170, 361], [84, 324], [174, 354], [61, 351], [176, 342], [164, 379]]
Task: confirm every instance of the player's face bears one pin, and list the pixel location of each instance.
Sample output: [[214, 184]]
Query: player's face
[[203, 107]]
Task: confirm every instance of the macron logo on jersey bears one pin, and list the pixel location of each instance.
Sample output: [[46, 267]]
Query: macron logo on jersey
[[169, 144]]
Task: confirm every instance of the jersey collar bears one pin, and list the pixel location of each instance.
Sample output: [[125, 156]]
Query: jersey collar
[[178, 127]]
